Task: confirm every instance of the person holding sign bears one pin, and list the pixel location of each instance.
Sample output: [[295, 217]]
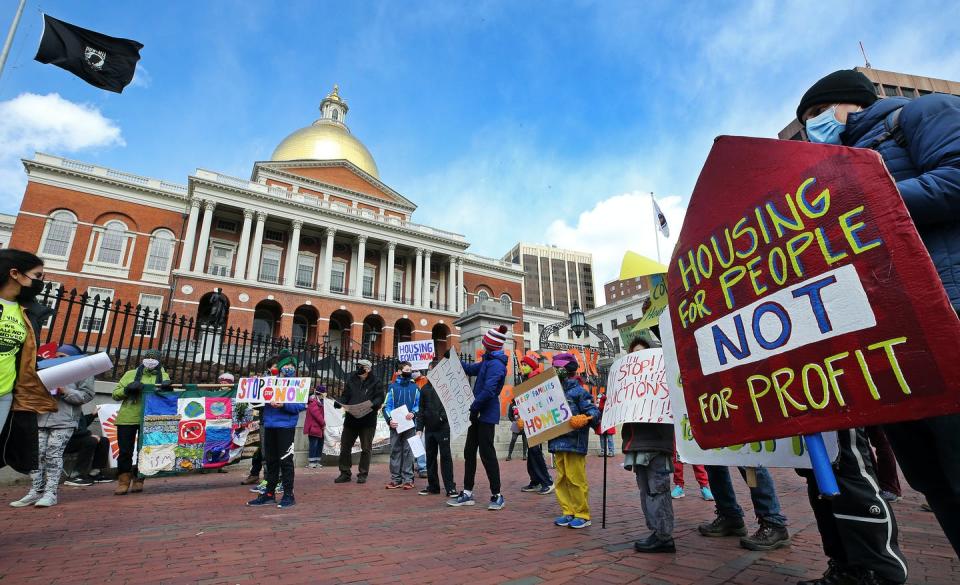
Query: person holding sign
[[540, 480], [361, 387], [434, 427], [570, 450], [403, 392]]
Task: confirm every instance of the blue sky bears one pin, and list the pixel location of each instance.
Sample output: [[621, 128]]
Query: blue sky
[[542, 121]]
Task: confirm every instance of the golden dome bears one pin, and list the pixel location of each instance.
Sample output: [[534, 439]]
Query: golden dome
[[327, 139]]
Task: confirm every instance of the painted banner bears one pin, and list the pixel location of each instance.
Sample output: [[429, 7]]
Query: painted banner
[[419, 353], [805, 302], [453, 388], [543, 408], [334, 430], [637, 390], [264, 390], [186, 431], [107, 414], [789, 452]]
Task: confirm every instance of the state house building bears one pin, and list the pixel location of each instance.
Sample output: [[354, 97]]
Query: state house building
[[314, 246]]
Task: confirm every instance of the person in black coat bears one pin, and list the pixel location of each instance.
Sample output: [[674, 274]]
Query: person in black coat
[[433, 426], [361, 386]]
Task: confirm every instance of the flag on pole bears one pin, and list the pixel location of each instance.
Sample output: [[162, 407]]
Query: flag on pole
[[661, 219], [102, 61]]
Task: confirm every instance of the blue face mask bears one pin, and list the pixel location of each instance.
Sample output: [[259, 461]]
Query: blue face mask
[[825, 128], [288, 371]]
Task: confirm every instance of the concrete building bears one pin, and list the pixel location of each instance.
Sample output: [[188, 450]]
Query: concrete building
[[6, 229]]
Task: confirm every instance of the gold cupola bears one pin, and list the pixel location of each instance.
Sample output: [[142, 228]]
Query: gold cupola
[[327, 139]]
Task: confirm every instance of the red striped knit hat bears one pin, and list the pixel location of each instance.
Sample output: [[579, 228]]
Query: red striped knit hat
[[495, 338]]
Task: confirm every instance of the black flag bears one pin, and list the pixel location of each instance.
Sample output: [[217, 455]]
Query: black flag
[[102, 61]]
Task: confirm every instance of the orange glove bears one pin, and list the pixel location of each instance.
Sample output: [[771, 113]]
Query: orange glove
[[579, 421]]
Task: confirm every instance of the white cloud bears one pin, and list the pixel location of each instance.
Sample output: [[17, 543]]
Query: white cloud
[[31, 122], [141, 77]]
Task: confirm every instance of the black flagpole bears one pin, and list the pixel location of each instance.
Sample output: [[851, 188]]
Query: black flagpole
[[603, 522]]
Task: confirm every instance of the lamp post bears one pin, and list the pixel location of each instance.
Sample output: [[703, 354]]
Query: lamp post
[[577, 322]]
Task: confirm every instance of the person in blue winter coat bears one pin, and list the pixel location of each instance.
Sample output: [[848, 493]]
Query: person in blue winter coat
[[490, 373], [279, 429], [403, 392], [919, 141]]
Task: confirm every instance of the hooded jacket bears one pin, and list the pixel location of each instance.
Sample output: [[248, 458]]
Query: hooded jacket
[[580, 402], [282, 417], [69, 403], [315, 421], [404, 391], [490, 372]]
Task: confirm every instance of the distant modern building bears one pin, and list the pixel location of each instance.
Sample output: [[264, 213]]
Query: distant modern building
[[6, 229], [617, 290], [888, 84]]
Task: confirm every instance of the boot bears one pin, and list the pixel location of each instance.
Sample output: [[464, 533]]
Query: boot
[[137, 486], [767, 537], [123, 484]]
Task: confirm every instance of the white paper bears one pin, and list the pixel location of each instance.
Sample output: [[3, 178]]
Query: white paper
[[452, 386], [399, 416], [74, 371], [416, 446], [637, 390]]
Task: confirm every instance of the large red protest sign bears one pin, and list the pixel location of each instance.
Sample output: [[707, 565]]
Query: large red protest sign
[[803, 299]]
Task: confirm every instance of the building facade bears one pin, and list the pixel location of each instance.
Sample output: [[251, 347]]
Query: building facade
[[6, 229], [622, 289], [312, 247]]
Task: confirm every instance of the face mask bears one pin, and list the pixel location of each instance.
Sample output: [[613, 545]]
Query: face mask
[[151, 364], [288, 371], [415, 375], [406, 374], [274, 371], [525, 369], [825, 128]]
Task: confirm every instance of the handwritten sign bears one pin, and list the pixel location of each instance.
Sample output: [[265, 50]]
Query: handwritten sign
[[637, 390], [333, 432], [269, 389], [543, 408], [419, 353], [806, 302], [453, 388]]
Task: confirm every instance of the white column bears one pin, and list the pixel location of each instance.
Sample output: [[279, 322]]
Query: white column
[[408, 280], [189, 237], [452, 285], [391, 251], [240, 272], [204, 242], [253, 268], [293, 252], [327, 260], [361, 257], [461, 293], [426, 279], [418, 280], [382, 277]]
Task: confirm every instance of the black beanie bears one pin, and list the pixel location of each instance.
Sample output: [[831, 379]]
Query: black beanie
[[846, 86]]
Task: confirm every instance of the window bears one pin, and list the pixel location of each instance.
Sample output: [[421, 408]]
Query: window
[[305, 264], [221, 258], [398, 284], [94, 314], [526, 327], [482, 295], [540, 329], [908, 92], [616, 345], [613, 323], [506, 301], [337, 273], [226, 225], [600, 327], [890, 90], [300, 329], [336, 115], [270, 265], [112, 239], [273, 235], [369, 273], [148, 305], [60, 230], [570, 334], [629, 318], [161, 251], [434, 294]]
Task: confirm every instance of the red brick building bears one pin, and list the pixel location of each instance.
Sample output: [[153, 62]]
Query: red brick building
[[314, 246]]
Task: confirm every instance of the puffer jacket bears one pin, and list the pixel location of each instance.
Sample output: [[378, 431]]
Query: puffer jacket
[[580, 402], [927, 171], [282, 417], [491, 372], [69, 403]]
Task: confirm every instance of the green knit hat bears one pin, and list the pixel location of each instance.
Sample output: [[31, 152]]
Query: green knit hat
[[285, 357]]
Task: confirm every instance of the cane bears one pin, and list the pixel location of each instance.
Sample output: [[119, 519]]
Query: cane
[[603, 521]]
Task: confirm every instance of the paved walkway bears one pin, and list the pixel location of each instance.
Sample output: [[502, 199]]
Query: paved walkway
[[195, 529]]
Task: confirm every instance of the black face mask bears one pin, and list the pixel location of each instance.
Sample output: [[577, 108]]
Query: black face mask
[[29, 293], [406, 374]]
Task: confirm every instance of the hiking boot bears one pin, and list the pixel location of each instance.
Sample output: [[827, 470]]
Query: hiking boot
[[123, 484], [137, 485], [767, 537], [287, 501], [723, 526], [263, 500], [251, 480], [27, 500], [46, 501], [531, 487], [836, 574], [652, 544]]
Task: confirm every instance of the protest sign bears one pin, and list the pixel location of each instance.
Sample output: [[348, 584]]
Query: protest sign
[[419, 353], [806, 302], [334, 430], [399, 416], [543, 408], [637, 390], [452, 386], [264, 390], [789, 452]]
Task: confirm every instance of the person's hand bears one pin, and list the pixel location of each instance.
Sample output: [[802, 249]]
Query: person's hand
[[394, 424], [410, 416], [419, 433], [474, 416], [276, 404]]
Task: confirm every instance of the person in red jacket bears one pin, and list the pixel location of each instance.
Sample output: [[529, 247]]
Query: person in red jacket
[[314, 424], [606, 438]]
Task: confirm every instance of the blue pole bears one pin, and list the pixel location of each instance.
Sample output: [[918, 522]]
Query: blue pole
[[822, 467]]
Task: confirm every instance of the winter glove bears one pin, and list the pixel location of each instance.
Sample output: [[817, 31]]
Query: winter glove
[[474, 416], [166, 386], [579, 421], [133, 389]]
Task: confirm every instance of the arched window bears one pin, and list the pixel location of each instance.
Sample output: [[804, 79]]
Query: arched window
[[506, 301], [60, 230], [482, 295], [110, 250], [161, 251]]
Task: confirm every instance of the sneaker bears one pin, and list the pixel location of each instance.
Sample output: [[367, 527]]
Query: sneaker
[[452, 493], [250, 480], [407, 486], [313, 465], [46, 501], [259, 488], [547, 489], [496, 503], [677, 492], [462, 499], [429, 492], [27, 500], [706, 493], [79, 482], [279, 489], [101, 479], [287, 501], [579, 523], [889, 496], [531, 487], [723, 526], [262, 500], [767, 537], [394, 485], [563, 520]]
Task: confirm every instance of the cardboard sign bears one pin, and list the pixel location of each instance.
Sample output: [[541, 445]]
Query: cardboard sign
[[419, 353], [637, 390], [333, 431], [543, 408], [452, 386], [802, 298], [271, 389], [771, 453]]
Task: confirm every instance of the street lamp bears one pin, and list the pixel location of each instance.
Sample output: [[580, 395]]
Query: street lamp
[[578, 322]]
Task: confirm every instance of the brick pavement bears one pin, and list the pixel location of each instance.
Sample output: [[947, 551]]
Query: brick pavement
[[195, 529]]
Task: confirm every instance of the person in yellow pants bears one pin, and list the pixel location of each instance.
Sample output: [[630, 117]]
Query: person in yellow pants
[[570, 450]]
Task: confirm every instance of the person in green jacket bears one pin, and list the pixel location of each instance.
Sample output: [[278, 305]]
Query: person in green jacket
[[129, 390]]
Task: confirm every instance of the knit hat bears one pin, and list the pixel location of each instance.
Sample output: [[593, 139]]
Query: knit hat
[[226, 378], [365, 363], [846, 86], [495, 338], [320, 389], [286, 358], [69, 349], [152, 354], [566, 361]]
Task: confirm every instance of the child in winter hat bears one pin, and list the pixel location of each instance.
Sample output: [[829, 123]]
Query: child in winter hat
[[495, 338]]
